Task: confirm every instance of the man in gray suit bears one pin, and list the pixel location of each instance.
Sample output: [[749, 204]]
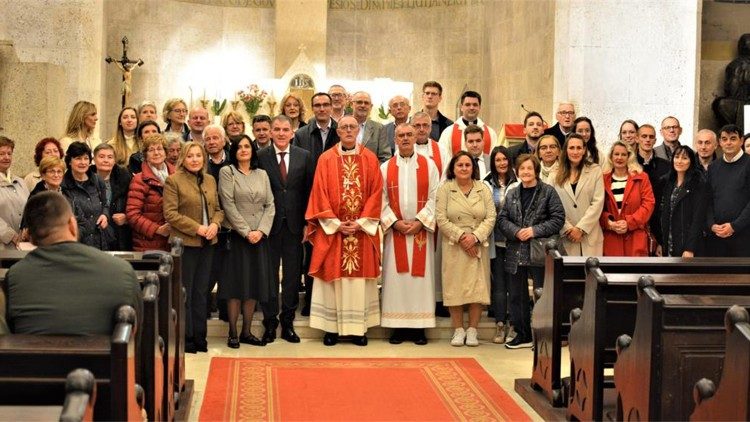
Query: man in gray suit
[[670, 133], [371, 133], [474, 139], [399, 108]]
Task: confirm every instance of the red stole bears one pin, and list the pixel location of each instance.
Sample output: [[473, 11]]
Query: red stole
[[436, 156], [419, 252], [458, 134]]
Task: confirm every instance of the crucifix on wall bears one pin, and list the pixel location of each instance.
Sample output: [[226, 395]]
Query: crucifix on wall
[[126, 66]]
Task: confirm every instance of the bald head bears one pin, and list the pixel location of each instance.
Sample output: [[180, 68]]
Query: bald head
[[348, 128], [399, 108]]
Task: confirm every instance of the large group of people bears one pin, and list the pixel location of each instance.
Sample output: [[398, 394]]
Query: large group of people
[[302, 205]]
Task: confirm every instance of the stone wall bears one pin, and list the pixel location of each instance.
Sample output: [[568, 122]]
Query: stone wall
[[65, 33], [519, 59], [619, 61], [411, 44], [722, 24], [210, 48]]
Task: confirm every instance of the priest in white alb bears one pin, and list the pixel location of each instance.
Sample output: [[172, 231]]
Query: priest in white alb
[[408, 221]]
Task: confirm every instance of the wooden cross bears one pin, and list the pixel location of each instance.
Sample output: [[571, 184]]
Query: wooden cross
[[126, 66]]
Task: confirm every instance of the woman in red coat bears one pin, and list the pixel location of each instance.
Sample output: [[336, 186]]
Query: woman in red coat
[[628, 204], [144, 206]]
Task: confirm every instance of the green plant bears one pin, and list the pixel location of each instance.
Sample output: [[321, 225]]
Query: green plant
[[218, 107]]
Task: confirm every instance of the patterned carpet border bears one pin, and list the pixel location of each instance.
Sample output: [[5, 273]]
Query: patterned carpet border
[[285, 389]]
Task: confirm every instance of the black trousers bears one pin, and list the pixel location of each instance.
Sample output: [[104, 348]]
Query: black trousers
[[520, 309], [286, 252], [196, 268], [499, 286], [736, 245], [307, 248]]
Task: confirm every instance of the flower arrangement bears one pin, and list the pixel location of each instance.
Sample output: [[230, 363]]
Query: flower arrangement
[[252, 98]]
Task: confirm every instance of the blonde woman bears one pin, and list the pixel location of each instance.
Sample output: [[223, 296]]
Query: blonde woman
[[191, 207], [628, 204], [293, 108], [233, 124], [174, 115], [125, 142], [578, 182], [81, 124]]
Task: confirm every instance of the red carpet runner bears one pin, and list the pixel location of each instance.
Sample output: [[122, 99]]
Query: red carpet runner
[[354, 389]]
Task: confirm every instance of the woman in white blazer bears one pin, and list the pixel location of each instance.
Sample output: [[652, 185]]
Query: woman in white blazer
[[580, 186]]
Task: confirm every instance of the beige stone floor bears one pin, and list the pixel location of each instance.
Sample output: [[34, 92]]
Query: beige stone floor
[[502, 364]]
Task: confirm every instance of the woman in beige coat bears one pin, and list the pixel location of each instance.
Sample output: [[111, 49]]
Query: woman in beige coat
[[466, 215], [191, 207], [579, 184]]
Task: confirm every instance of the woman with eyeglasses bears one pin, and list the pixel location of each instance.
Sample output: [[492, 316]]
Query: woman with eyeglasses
[[144, 207], [174, 115], [548, 152]]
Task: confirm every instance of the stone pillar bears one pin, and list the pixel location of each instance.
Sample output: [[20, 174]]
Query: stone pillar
[[616, 61], [300, 22]]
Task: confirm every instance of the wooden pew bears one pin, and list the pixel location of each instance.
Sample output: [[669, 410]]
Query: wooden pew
[[150, 365], [34, 368], [731, 402], [609, 310], [678, 339], [563, 291], [80, 397], [171, 326]]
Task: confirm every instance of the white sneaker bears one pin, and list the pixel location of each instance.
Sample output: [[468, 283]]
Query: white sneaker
[[500, 333], [458, 337], [511, 333], [471, 337]]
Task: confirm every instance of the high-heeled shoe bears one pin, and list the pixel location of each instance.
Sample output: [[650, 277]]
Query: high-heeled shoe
[[252, 340], [233, 342]]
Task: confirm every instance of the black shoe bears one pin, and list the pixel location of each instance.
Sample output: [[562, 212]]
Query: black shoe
[[420, 339], [359, 340], [270, 334], [330, 339], [252, 340], [305, 311], [190, 348], [397, 337], [519, 342], [441, 311], [288, 334], [233, 342], [202, 347]]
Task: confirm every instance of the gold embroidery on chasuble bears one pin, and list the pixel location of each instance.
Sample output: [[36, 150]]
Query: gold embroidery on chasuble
[[351, 207]]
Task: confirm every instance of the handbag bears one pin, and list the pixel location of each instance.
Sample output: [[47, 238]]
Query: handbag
[[538, 249]]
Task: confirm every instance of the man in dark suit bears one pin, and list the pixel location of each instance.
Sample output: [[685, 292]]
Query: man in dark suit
[[566, 113], [533, 128], [474, 140], [371, 133], [399, 108], [290, 171], [316, 137]]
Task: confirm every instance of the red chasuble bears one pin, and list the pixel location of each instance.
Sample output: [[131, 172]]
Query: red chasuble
[[457, 137], [347, 187], [436, 156], [419, 251]]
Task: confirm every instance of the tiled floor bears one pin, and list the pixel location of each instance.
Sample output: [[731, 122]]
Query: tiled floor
[[502, 364]]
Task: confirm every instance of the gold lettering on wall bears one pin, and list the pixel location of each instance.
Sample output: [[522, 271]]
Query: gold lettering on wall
[[395, 4], [260, 4]]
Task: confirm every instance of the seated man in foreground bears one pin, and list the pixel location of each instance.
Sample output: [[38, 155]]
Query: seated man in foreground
[[65, 287]]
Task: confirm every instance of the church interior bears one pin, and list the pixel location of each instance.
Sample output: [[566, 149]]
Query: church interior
[[615, 60]]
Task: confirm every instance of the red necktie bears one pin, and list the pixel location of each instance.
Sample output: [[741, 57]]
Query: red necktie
[[282, 167]]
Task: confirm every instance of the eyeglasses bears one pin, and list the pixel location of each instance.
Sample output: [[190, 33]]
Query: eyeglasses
[[401, 104], [361, 102], [347, 128], [670, 127], [180, 110], [566, 113], [155, 149], [421, 125], [336, 94]]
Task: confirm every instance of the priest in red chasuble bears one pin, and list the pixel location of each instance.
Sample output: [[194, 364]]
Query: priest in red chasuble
[[343, 216], [408, 221]]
